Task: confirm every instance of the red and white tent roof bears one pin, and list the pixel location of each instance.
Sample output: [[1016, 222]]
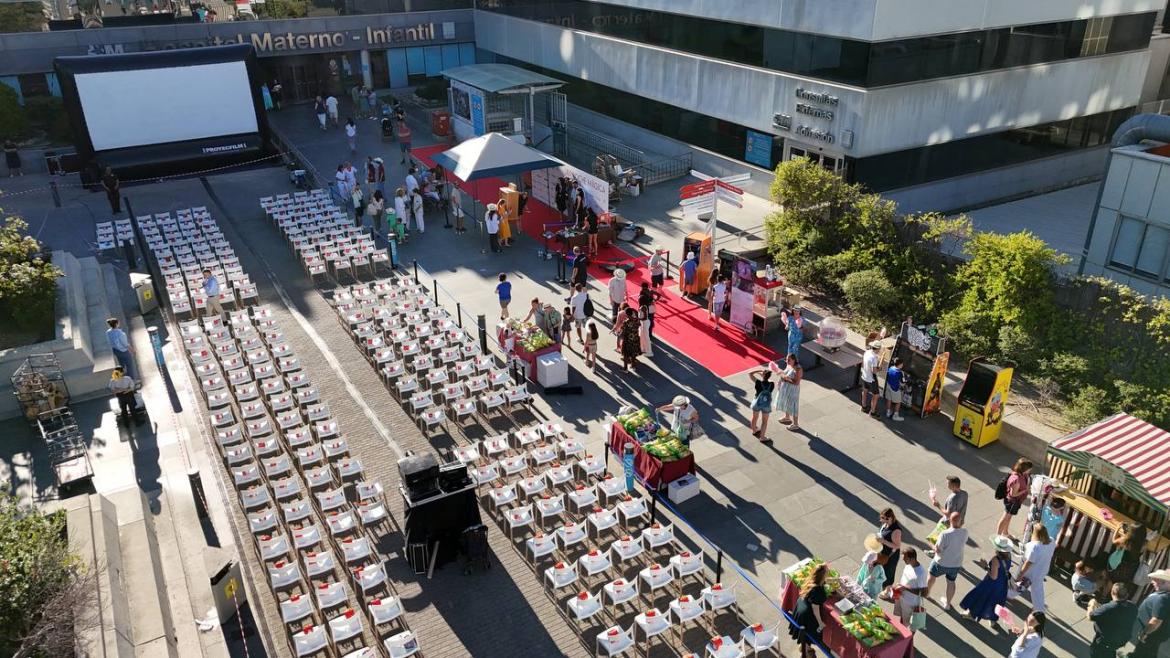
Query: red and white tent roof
[[1140, 450]]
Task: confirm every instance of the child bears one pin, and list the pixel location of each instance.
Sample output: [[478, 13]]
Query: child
[[504, 290], [566, 326], [1084, 582]]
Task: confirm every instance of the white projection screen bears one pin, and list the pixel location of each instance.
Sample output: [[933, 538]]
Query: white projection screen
[[149, 106]]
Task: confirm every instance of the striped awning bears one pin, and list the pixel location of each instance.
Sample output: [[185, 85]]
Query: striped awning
[[1124, 452]]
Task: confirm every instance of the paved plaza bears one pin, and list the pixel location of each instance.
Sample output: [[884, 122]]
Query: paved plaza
[[811, 493]]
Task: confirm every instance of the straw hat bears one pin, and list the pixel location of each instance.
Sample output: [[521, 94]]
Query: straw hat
[[492, 206], [1000, 543], [681, 401], [872, 543], [1160, 574], [619, 274]]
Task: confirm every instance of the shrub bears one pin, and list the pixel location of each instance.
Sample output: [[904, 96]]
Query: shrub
[[1088, 405], [1067, 370], [1018, 345], [869, 294], [28, 281], [12, 118], [286, 8], [434, 89]]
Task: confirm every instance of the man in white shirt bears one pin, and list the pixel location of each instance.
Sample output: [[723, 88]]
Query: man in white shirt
[[912, 585], [491, 219], [577, 303], [350, 177], [411, 181], [869, 380], [617, 292], [657, 267], [211, 289], [948, 558], [1037, 561], [331, 106]]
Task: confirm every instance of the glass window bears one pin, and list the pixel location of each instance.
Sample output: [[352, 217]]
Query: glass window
[[416, 63], [1127, 243], [843, 60], [1152, 256]]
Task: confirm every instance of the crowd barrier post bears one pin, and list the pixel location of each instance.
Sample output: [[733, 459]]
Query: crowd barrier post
[[415, 261], [196, 482], [719, 566], [435, 287], [482, 325], [459, 313], [653, 509]]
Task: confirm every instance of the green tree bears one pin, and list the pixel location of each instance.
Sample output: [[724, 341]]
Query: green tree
[[1007, 281], [871, 297], [286, 8], [28, 281], [21, 17], [12, 119], [43, 588]]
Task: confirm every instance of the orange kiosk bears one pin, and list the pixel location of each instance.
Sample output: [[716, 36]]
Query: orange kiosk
[[698, 244]]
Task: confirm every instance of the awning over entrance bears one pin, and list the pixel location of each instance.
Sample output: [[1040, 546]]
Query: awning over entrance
[[500, 78], [1124, 452]]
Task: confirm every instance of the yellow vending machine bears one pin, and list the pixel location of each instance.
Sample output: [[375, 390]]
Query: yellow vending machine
[[982, 401], [698, 244]]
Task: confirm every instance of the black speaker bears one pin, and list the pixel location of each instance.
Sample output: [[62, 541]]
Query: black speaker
[[453, 477], [419, 475]]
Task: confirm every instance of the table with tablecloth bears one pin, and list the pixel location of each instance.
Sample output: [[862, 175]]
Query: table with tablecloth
[[650, 470], [529, 358], [840, 641]]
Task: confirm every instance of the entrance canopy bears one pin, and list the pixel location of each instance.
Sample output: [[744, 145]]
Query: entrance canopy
[[1124, 452], [501, 78], [491, 156]]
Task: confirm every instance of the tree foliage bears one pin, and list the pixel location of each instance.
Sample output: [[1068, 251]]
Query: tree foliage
[[22, 17], [36, 570], [12, 119], [286, 8], [28, 280]]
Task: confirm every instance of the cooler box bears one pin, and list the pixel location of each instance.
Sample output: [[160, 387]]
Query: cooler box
[[683, 489], [552, 370]]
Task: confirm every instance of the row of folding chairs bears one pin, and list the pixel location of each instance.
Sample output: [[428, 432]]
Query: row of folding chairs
[[323, 237], [114, 234]]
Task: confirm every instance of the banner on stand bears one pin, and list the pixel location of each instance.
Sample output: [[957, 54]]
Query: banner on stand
[[544, 186]]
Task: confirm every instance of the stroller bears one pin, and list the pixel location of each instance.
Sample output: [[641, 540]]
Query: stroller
[[387, 130]]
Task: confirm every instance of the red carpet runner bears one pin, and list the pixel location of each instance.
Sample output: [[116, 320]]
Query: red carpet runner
[[679, 322]]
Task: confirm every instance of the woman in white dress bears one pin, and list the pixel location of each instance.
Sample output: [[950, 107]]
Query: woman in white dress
[[416, 202], [644, 331]]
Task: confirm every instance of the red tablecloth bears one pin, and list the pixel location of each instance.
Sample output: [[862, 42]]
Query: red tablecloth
[[841, 642], [527, 357], [652, 471]]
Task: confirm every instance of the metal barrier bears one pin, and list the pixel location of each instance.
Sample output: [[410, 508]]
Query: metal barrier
[[666, 169], [598, 143], [585, 144]]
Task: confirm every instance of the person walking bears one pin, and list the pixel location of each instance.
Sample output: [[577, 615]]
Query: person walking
[[762, 403], [351, 135], [794, 325], [948, 558], [808, 617], [491, 220], [120, 344], [644, 320], [342, 186], [980, 603], [894, 377], [955, 502], [403, 138], [1030, 638], [113, 187], [211, 289], [589, 342], [648, 299], [504, 293], [416, 203], [1016, 487], [1112, 622], [123, 387], [567, 327], [374, 211], [1037, 561], [869, 379], [331, 107], [717, 296], [321, 111], [617, 292], [455, 197], [580, 267], [690, 269], [788, 402], [1153, 631], [911, 586], [629, 340], [578, 301], [889, 533], [657, 267], [401, 218], [12, 159]]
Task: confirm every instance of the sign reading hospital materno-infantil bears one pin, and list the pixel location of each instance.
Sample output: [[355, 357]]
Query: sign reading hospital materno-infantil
[[270, 43]]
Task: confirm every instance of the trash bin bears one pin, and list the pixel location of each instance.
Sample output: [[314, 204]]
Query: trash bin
[[226, 581], [144, 291], [441, 123]]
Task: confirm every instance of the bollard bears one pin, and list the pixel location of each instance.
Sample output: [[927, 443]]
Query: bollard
[[56, 194], [653, 510], [435, 287], [197, 489], [156, 343], [415, 261], [128, 254], [628, 466], [719, 567], [459, 314], [482, 325]]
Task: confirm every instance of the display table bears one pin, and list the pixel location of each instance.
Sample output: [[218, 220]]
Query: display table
[[605, 235], [650, 470], [529, 358], [846, 357], [840, 641]]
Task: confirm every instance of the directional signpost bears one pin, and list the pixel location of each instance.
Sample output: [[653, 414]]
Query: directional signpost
[[704, 197]]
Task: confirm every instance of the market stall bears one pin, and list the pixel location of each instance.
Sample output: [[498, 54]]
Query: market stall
[[855, 626], [1115, 475], [659, 457], [528, 343]]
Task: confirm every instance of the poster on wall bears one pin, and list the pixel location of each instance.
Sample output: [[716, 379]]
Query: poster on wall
[[460, 102], [544, 187], [478, 121], [758, 150], [743, 288]]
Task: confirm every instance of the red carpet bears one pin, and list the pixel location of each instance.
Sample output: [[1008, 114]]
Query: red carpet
[[678, 322]]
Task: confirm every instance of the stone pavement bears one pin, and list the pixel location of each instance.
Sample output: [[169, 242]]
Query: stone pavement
[[812, 493]]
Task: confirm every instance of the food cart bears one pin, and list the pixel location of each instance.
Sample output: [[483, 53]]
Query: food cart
[[659, 457], [855, 626], [1111, 480]]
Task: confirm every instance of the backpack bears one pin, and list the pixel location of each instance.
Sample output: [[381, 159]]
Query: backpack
[[587, 308], [1001, 489]]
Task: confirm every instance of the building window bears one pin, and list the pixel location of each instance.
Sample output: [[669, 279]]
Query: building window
[[1140, 247], [1096, 36]]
